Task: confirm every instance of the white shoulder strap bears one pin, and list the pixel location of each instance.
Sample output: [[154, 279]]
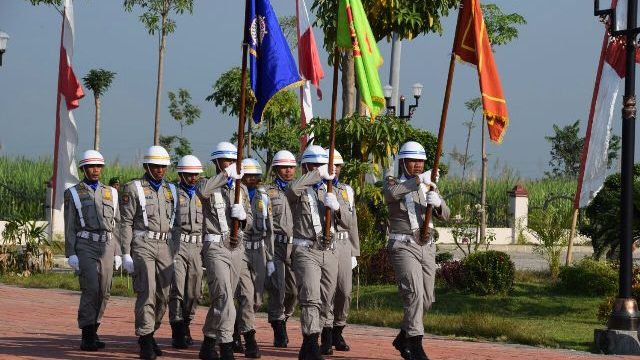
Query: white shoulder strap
[[114, 194], [313, 205], [352, 203], [143, 202], [265, 208], [174, 194], [220, 206], [76, 202]]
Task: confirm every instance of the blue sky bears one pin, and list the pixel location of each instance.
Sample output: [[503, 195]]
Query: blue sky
[[547, 74]]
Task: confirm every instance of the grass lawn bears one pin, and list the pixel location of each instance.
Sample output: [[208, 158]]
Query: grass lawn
[[534, 314]]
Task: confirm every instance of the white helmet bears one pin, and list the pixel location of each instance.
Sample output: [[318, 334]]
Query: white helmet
[[189, 164], [224, 150], [91, 157], [251, 167], [337, 157], [157, 155], [283, 158], [412, 150], [314, 154]]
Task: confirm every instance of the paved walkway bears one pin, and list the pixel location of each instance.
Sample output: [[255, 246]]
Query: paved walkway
[[37, 324]]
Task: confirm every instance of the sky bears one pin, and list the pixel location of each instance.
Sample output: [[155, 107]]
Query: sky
[[547, 75]]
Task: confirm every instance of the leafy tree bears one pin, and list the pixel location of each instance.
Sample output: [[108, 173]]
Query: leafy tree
[[289, 25], [98, 81], [549, 226], [500, 26], [566, 149], [178, 147], [181, 108], [601, 221], [55, 3], [156, 20]]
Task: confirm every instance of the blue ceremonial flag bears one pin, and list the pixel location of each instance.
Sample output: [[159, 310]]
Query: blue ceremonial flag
[[273, 68]]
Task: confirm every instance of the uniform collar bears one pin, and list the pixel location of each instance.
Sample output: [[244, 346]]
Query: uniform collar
[[281, 184], [153, 183], [189, 189], [91, 184]]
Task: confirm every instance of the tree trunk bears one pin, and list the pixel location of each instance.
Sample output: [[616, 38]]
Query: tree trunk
[[163, 42], [483, 192], [348, 84], [96, 134]]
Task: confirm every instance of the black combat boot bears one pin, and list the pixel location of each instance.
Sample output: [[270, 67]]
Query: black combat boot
[[415, 346], [178, 340], [284, 330], [226, 351], [156, 348], [100, 344], [88, 342], [187, 333], [208, 349], [401, 344], [237, 341], [303, 348], [326, 341], [251, 346], [311, 350], [146, 347], [279, 339], [338, 340]]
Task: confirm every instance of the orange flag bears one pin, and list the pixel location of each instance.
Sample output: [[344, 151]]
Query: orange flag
[[472, 46]]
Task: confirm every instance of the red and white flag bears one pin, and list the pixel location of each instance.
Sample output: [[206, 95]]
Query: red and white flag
[[65, 173], [595, 153], [308, 63]]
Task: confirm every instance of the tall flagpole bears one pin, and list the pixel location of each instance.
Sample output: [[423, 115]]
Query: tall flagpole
[[332, 140], [241, 120], [425, 232]]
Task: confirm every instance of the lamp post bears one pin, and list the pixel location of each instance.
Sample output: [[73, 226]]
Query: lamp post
[[625, 309], [4, 38], [416, 90]]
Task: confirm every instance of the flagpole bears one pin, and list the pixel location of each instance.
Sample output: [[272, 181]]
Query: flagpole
[[54, 178], [332, 141], [303, 119], [425, 232], [241, 120]]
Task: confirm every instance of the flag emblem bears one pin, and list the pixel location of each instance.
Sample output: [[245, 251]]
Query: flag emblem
[[257, 29]]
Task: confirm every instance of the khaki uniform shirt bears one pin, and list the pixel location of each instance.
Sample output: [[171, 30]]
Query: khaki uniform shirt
[[98, 211], [205, 190], [191, 218], [346, 219], [299, 202], [282, 218], [262, 229]]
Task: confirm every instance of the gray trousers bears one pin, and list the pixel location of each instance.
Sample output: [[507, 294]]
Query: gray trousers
[[222, 267], [281, 285], [415, 268], [336, 311], [316, 272], [186, 287], [96, 272], [152, 276], [252, 275]]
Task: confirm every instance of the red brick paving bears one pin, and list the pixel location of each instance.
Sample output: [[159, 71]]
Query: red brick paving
[[37, 324]]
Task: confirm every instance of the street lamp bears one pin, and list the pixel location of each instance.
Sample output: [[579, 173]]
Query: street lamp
[[3, 44], [625, 309], [416, 90]]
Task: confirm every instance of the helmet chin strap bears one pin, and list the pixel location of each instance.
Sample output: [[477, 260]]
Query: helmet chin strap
[[146, 167], [404, 167]]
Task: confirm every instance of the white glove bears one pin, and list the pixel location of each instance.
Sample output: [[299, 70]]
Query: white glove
[[434, 199], [354, 262], [74, 263], [331, 201], [425, 178], [324, 172], [232, 172], [128, 263], [117, 261], [237, 211], [271, 268]]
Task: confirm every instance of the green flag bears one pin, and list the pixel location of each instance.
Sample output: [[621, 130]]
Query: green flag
[[354, 32]]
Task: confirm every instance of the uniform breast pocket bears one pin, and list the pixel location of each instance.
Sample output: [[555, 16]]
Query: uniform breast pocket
[[199, 215], [89, 213], [184, 215], [107, 210], [150, 208]]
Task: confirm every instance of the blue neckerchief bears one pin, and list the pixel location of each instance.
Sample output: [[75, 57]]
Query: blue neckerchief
[[230, 183], [189, 189], [155, 184], [281, 183], [334, 181], [92, 184], [252, 192], [318, 185]]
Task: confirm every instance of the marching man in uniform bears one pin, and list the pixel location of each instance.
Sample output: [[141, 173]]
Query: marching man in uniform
[[90, 213], [186, 287], [282, 288], [413, 260], [347, 242], [149, 207], [315, 262], [220, 256], [258, 259]]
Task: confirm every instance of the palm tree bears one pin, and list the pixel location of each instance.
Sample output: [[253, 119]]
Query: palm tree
[[98, 81]]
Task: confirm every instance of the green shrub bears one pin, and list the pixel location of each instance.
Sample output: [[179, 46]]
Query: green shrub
[[489, 272], [444, 257], [589, 276], [452, 274]]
